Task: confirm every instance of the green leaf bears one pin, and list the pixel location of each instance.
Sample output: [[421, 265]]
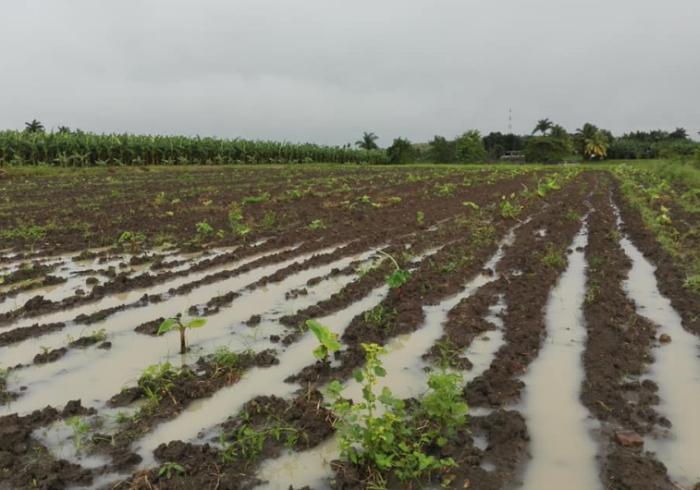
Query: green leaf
[[167, 326], [196, 323], [320, 352], [379, 371], [398, 278], [357, 374]]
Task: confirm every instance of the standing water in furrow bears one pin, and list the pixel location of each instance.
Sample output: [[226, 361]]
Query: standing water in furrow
[[676, 371], [562, 449], [93, 377], [203, 417], [406, 376]]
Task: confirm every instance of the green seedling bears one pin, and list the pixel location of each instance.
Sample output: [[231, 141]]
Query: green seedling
[[420, 218], [168, 469], [509, 210], [471, 204], [316, 224], [327, 339], [397, 278], [177, 324], [204, 230], [80, 432]]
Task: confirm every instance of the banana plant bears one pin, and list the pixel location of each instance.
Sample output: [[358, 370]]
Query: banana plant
[[176, 323]]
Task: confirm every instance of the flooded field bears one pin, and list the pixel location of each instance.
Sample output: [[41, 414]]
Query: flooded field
[[536, 297]]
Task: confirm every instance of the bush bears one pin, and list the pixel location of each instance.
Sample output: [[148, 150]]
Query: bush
[[400, 151], [470, 147], [547, 149]]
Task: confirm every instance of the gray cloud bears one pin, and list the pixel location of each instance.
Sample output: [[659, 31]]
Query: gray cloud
[[325, 70]]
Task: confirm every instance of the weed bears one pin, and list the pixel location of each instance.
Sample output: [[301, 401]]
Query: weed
[[554, 258], [379, 433], [204, 230], [132, 240], [80, 431], [168, 469], [509, 210], [316, 224], [420, 217], [176, 323], [156, 381], [471, 204], [264, 197], [692, 283], [269, 220], [572, 215], [248, 442]]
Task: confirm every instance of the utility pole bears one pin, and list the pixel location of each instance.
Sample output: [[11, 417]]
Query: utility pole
[[510, 120]]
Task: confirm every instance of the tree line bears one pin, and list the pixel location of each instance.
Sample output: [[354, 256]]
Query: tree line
[[547, 143]]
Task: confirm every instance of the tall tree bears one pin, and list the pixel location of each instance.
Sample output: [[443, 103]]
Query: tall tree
[[543, 125], [368, 141], [34, 127]]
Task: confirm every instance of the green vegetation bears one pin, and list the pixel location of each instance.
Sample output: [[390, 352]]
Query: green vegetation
[[168, 469], [661, 192], [384, 436], [177, 324], [247, 442], [79, 149], [327, 339], [156, 382], [317, 224], [397, 278], [81, 429]]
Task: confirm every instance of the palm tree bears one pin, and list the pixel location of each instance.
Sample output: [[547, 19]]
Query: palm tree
[[34, 127], [63, 129], [368, 141], [596, 147], [543, 125]]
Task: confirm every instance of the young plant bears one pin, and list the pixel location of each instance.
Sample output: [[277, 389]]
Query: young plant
[[397, 278], [80, 431], [508, 209], [379, 432], [316, 224], [176, 323], [168, 469], [327, 339], [420, 218], [204, 230]]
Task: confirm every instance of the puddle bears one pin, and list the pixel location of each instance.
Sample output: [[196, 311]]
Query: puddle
[[563, 451], [310, 468], [483, 348], [64, 443], [676, 370]]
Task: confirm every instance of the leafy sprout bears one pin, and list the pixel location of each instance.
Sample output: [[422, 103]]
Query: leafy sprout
[[328, 340], [397, 278], [177, 324]]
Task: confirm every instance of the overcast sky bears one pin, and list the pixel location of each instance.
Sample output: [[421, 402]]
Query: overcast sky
[[326, 70]]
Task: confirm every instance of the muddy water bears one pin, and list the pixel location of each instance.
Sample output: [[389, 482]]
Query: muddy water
[[483, 348], [563, 451], [128, 319], [92, 375], [202, 417], [676, 370], [133, 295], [406, 376]]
